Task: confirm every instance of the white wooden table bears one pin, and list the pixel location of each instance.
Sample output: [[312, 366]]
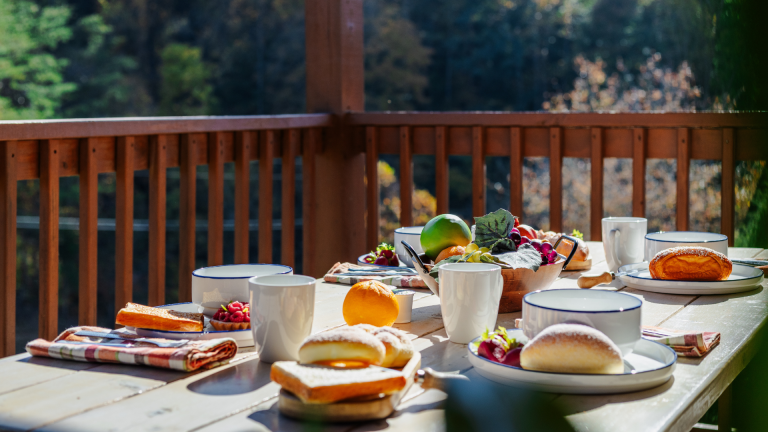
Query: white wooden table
[[47, 394]]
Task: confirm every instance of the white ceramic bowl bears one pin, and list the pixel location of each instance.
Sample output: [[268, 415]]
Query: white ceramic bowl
[[218, 285], [659, 241], [613, 313], [412, 236]]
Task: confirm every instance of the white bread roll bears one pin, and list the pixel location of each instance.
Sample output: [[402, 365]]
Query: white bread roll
[[342, 345], [572, 348], [404, 347]]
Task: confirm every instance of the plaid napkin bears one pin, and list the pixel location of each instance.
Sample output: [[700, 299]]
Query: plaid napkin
[[685, 343], [335, 275], [188, 357]]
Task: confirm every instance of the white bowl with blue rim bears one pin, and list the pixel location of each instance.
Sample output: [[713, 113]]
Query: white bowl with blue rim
[[659, 241], [615, 314], [412, 236], [243, 338], [215, 286]]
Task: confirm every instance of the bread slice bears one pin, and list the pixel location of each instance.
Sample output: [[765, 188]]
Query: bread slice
[[140, 316], [320, 384]]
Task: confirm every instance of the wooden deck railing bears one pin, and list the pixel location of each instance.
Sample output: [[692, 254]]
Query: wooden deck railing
[[48, 150]]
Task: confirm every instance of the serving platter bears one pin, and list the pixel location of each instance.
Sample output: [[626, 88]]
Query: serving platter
[[742, 278], [243, 338], [651, 364]]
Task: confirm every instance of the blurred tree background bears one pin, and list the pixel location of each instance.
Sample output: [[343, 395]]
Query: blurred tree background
[[114, 58]]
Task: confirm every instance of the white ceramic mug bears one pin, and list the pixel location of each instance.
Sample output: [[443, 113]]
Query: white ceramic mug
[[469, 299], [624, 240], [412, 236], [617, 315], [282, 310]]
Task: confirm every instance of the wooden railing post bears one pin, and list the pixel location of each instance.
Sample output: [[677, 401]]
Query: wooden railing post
[[516, 171], [244, 141], [125, 158], [308, 170], [638, 172], [372, 187], [406, 177], [478, 171], [596, 195], [49, 239], [188, 146], [266, 170], [291, 142], [157, 200], [728, 206], [89, 231], [683, 164], [7, 248], [216, 198], [441, 169], [555, 179]]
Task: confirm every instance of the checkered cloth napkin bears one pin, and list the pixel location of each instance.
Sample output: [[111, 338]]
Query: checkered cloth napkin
[[335, 275], [685, 343], [187, 357]]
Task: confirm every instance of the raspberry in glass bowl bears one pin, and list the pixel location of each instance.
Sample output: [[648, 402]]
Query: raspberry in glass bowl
[[234, 316]]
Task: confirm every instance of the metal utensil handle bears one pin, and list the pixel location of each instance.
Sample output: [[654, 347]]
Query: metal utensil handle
[[573, 250], [414, 256], [431, 379]]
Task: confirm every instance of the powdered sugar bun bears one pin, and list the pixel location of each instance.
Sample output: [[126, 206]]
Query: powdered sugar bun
[[343, 344], [572, 348], [406, 347], [692, 263]]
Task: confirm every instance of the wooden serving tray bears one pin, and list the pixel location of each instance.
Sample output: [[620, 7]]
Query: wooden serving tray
[[372, 407]]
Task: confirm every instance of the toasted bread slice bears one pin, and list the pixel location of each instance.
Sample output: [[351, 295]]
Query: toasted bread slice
[[321, 384], [140, 316]]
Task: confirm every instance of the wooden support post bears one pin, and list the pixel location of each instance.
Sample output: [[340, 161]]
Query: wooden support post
[[308, 174], [49, 239], [638, 172], [89, 231], [125, 158], [596, 195], [372, 187], [216, 198], [157, 200], [441, 169], [288, 216], [516, 171], [266, 169], [478, 171], [244, 141], [335, 77], [683, 164], [727, 202], [187, 213], [724, 410], [7, 248], [406, 177], [555, 179]]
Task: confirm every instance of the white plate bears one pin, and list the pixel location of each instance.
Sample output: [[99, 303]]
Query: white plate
[[743, 278], [244, 338], [650, 364]]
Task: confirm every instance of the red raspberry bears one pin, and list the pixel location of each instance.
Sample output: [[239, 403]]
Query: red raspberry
[[235, 306], [237, 317], [217, 315], [247, 317], [224, 316]]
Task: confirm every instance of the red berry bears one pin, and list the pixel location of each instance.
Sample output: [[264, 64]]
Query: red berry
[[237, 317], [394, 262], [235, 306], [247, 317], [216, 315], [388, 253], [382, 260], [224, 316]]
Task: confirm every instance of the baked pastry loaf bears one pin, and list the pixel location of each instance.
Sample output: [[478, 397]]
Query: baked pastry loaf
[[399, 353], [347, 346], [572, 348], [320, 384], [690, 263], [582, 253], [140, 316]]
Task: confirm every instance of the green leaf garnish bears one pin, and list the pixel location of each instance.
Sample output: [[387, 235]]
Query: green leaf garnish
[[577, 234], [492, 231]]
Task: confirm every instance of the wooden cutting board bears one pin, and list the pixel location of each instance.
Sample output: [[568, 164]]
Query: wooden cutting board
[[363, 408], [579, 265]]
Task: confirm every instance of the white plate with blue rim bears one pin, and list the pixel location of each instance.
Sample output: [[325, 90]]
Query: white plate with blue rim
[[649, 365], [243, 338], [742, 278]]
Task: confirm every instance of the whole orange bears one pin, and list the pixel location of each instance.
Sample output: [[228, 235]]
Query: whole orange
[[449, 252], [370, 302]]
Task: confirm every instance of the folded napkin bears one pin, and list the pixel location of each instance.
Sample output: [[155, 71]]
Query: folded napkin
[[340, 273], [685, 343], [121, 347]]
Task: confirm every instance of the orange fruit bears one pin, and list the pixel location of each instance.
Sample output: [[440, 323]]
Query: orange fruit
[[449, 252], [370, 302]]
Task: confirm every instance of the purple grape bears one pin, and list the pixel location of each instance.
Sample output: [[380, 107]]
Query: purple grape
[[552, 256], [514, 230], [546, 248], [536, 244], [516, 238], [524, 240]]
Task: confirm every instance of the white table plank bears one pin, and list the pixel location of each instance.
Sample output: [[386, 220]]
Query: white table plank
[[27, 371]]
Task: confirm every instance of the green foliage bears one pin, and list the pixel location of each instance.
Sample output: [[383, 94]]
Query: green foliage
[[184, 89], [31, 81]]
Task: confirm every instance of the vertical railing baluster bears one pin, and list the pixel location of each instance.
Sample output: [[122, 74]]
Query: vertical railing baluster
[[89, 231], [639, 149], [372, 186], [683, 164], [406, 177], [215, 198], [125, 158], [596, 195], [157, 199], [188, 147], [555, 179], [478, 171], [243, 142], [288, 215], [515, 172], [49, 239], [308, 170], [7, 248], [266, 169], [441, 169], [728, 206]]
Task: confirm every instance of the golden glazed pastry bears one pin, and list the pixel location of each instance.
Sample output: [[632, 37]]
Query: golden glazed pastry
[[343, 347], [140, 316], [572, 348], [690, 263]]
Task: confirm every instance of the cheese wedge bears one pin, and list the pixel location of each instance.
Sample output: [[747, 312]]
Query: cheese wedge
[[140, 316]]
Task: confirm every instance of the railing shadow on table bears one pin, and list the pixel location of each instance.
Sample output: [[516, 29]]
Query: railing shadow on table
[[584, 403], [244, 377]]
